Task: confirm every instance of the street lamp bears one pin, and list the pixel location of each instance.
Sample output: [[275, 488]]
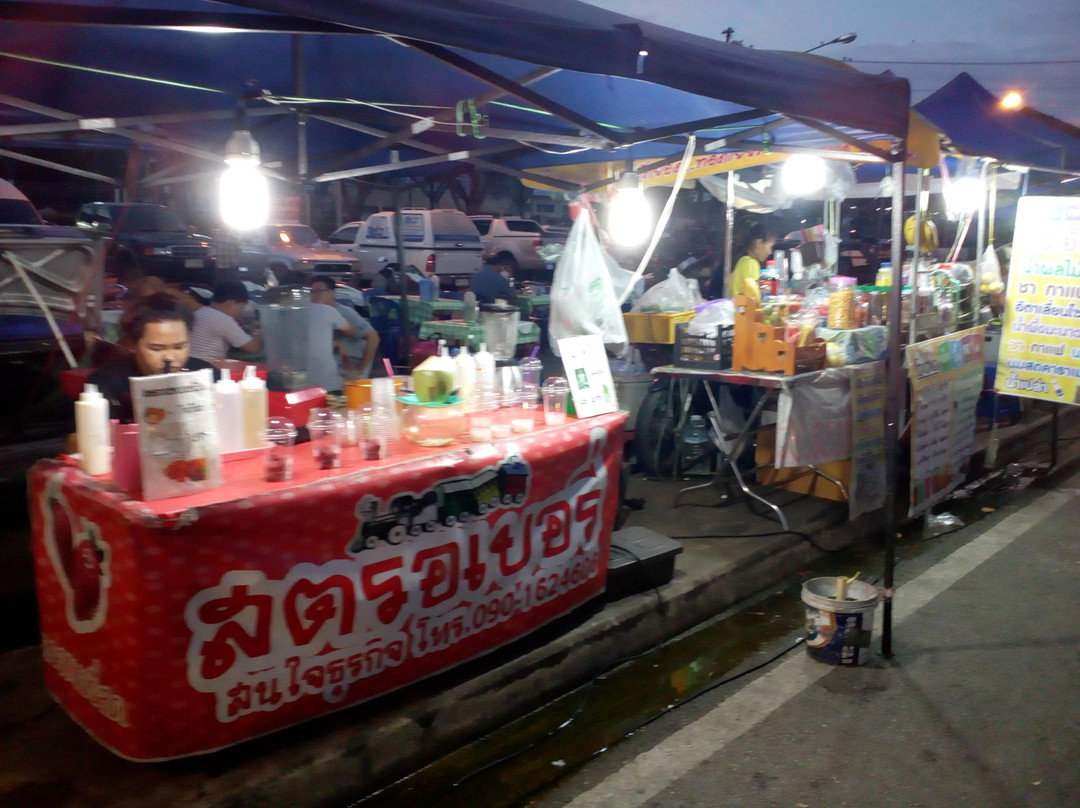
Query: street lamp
[[1012, 100], [843, 39]]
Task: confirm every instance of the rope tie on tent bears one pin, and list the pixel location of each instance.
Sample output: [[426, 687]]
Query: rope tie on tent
[[475, 118]]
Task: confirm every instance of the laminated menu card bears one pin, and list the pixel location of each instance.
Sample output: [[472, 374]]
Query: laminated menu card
[[178, 441], [587, 370]]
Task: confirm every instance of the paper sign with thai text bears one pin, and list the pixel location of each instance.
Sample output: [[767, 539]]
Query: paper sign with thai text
[[866, 489], [946, 379], [1040, 341]]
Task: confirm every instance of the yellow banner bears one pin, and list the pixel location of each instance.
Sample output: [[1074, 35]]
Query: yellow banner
[[1040, 341]]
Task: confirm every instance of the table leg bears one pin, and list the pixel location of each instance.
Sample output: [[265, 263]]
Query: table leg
[[731, 458]]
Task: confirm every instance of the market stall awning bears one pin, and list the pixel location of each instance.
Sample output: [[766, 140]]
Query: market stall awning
[[334, 88], [975, 123]]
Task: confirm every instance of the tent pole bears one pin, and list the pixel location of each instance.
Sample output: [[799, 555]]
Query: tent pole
[[301, 129], [729, 230], [916, 247], [893, 391]]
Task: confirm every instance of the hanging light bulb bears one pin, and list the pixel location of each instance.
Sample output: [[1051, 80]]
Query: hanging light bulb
[[630, 219], [803, 174], [244, 193]]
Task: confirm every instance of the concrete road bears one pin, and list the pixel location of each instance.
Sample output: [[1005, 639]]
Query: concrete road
[[980, 705]]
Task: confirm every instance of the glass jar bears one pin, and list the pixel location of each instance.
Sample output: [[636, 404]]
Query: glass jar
[[430, 424]]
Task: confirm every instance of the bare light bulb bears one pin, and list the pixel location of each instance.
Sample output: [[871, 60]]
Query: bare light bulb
[[803, 174], [244, 197], [630, 219]]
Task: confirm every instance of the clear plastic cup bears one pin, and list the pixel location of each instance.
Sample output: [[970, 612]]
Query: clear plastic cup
[[555, 389], [531, 370], [326, 428], [280, 437]]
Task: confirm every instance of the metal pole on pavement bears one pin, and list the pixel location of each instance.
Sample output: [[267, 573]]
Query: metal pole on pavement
[[894, 389]]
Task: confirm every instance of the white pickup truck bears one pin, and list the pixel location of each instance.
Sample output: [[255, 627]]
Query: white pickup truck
[[440, 244], [512, 244]]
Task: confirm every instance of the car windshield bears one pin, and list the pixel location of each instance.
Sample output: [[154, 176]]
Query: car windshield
[[297, 235], [146, 218], [18, 211]]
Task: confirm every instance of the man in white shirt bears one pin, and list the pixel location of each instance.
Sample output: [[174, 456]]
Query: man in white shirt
[[355, 354], [216, 329], [325, 323]]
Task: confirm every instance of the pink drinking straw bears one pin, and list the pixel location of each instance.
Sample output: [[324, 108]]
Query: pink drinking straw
[[389, 368]]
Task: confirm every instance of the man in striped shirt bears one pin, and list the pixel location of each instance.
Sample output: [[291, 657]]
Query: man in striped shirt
[[217, 329]]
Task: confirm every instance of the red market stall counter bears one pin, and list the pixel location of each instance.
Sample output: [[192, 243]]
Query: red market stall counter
[[184, 625]]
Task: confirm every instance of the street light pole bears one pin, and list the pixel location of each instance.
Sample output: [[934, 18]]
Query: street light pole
[[843, 39]]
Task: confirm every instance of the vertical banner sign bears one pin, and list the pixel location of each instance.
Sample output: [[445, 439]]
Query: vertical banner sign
[[1040, 341], [866, 490], [946, 379]]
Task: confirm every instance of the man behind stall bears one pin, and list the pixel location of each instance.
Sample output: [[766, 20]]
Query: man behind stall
[[325, 325], [156, 329], [489, 285], [356, 354], [217, 327]]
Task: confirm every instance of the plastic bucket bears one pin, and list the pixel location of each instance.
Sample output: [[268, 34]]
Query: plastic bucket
[[838, 632]]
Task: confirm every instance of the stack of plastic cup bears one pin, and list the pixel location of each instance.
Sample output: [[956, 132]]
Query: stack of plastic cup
[[482, 408], [527, 405], [556, 389], [383, 395], [531, 370]]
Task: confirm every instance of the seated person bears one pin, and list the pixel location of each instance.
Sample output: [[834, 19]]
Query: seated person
[[489, 285], [325, 325], [216, 326], [156, 330], [355, 354]]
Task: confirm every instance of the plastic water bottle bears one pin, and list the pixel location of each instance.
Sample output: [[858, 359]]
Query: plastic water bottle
[[696, 444], [469, 312]]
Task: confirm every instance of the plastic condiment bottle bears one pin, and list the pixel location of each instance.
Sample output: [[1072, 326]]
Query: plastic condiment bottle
[[255, 406], [485, 366], [230, 413], [466, 374], [92, 431]]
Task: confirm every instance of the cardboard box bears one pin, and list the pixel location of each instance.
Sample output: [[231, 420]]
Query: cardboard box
[[801, 479]]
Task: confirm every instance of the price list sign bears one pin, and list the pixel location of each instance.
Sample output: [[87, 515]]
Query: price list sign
[[1040, 341], [946, 379]]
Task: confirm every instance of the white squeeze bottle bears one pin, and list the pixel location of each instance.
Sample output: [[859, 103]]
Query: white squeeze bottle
[[230, 413], [255, 406], [485, 367], [92, 431], [466, 374]]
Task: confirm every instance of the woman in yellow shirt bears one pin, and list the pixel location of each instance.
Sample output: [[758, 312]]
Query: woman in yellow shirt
[[756, 247]]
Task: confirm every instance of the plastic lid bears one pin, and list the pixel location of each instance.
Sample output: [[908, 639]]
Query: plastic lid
[[505, 309], [226, 375], [89, 391]]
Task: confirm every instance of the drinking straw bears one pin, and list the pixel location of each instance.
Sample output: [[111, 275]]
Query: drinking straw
[[389, 367], [535, 351]]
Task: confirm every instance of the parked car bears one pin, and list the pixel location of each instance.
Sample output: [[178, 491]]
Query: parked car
[[143, 239], [512, 244], [441, 244], [15, 208], [293, 252]]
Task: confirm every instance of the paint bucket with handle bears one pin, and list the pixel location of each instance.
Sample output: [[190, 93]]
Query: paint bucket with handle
[[839, 619]]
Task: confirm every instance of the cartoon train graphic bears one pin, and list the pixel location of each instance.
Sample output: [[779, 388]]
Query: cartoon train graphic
[[451, 502]]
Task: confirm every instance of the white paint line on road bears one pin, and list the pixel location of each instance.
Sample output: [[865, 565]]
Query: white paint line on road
[[654, 770]]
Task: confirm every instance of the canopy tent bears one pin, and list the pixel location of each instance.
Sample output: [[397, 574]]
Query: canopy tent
[[334, 87], [975, 123]]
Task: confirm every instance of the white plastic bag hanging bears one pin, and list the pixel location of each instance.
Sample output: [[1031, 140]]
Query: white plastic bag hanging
[[677, 293], [582, 298]]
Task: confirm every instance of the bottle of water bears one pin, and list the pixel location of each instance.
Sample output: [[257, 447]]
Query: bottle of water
[[696, 444]]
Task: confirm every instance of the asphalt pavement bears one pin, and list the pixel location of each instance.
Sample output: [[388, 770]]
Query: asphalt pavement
[[978, 706]]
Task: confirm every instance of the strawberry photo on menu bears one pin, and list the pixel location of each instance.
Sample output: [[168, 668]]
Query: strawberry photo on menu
[[178, 441]]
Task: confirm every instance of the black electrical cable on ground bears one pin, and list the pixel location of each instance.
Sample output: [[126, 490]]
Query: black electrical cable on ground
[[804, 536]]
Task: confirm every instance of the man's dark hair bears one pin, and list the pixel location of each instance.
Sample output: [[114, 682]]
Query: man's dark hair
[[231, 290], [156, 308], [325, 280]]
